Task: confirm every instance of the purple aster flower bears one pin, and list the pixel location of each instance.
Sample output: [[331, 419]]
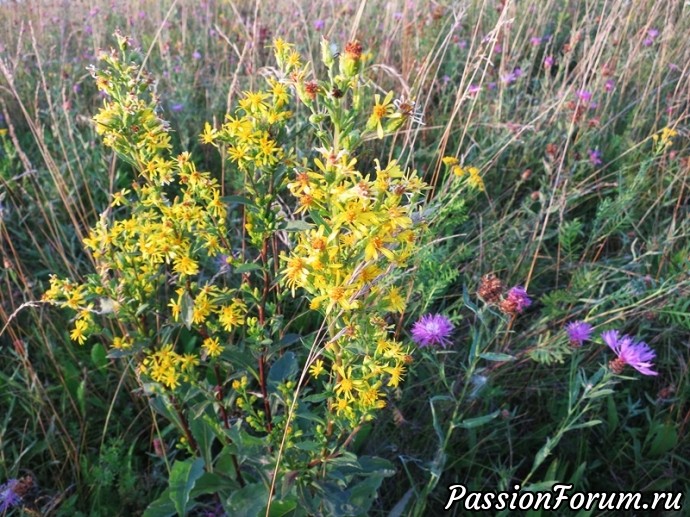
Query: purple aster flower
[[584, 95], [548, 61], [432, 329], [473, 89], [609, 85], [578, 332], [638, 355], [196, 54], [319, 25], [595, 157], [516, 301], [8, 497], [536, 40], [177, 107]]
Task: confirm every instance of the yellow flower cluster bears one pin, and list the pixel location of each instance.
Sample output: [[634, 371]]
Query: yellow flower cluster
[[167, 367], [165, 230], [473, 178], [364, 225], [664, 139]]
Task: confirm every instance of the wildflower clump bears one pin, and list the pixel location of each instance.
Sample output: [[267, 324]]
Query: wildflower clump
[[193, 285]]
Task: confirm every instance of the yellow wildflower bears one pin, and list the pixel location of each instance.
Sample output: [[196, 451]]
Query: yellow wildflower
[[212, 347], [79, 332]]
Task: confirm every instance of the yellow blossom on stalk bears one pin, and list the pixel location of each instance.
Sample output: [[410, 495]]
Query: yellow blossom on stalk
[[79, 332], [475, 180], [212, 347], [394, 300], [119, 198], [253, 101], [233, 315], [317, 368], [175, 308], [449, 161], [381, 110], [346, 385], [187, 362], [209, 134], [396, 373], [185, 265], [122, 343], [664, 138]]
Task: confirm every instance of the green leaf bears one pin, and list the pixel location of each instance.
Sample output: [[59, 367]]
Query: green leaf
[[298, 225], [240, 200], [492, 356], [320, 221], [187, 310], [183, 477], [584, 425], [81, 396], [248, 501], [246, 267], [434, 418], [282, 369], [282, 508], [161, 507], [99, 356], [664, 438], [471, 423], [204, 435]]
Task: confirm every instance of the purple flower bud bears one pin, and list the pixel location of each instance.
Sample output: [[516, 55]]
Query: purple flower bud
[[578, 332]]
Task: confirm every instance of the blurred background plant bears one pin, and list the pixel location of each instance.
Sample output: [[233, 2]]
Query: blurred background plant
[[577, 125]]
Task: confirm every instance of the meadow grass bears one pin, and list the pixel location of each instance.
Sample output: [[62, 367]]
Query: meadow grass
[[559, 104]]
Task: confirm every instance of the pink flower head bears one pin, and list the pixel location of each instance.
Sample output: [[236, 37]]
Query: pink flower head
[[595, 157], [578, 332], [638, 355], [473, 89], [536, 40], [432, 329], [548, 61], [584, 95]]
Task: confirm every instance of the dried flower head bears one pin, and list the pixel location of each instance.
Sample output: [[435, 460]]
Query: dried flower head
[[432, 329], [516, 301], [353, 49], [578, 332], [312, 88], [638, 355], [490, 288]]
